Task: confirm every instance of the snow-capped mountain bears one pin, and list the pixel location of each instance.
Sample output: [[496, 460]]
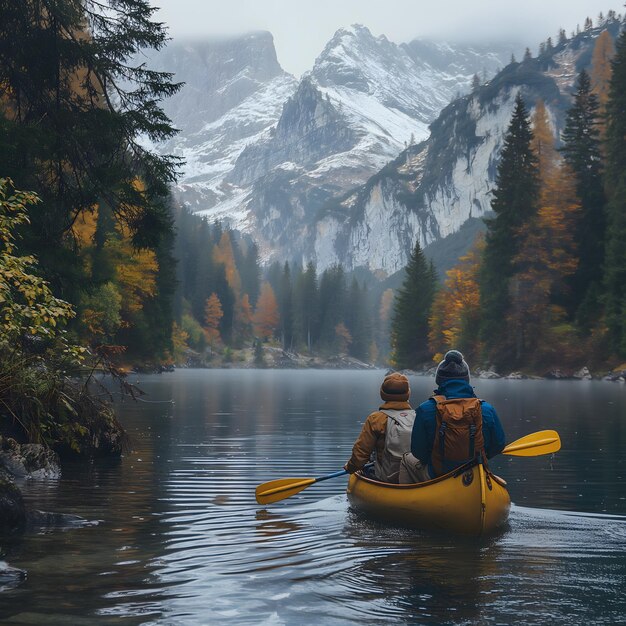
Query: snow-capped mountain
[[268, 154], [432, 189], [234, 92]]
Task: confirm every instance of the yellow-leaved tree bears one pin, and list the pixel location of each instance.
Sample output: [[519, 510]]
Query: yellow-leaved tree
[[27, 306], [455, 314]]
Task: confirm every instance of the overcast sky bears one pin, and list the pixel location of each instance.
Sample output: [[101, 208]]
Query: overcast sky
[[301, 28]]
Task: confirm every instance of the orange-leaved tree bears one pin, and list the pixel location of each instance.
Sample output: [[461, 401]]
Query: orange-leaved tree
[[343, 336], [455, 314], [212, 315], [243, 317], [223, 253], [265, 317]]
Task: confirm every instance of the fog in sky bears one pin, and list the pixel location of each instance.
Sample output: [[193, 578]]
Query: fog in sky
[[301, 28]]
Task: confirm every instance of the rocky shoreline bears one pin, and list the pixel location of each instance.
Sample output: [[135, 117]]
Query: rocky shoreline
[[20, 463], [276, 358], [271, 358], [618, 375]]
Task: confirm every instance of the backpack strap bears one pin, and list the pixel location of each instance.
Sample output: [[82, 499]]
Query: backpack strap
[[472, 437], [442, 430]]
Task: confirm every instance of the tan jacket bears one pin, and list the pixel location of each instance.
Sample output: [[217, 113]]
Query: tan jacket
[[372, 436]]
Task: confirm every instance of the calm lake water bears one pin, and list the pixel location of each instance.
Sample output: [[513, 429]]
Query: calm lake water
[[177, 537]]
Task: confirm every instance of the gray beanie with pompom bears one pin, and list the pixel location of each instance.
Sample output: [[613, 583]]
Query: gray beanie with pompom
[[453, 366]]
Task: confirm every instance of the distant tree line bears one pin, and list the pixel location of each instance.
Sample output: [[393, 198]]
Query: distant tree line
[[225, 300]]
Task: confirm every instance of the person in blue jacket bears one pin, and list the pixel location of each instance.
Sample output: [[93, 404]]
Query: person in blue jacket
[[452, 378]]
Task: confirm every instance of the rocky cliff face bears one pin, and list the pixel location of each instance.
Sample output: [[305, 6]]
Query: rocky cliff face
[[233, 94], [432, 189]]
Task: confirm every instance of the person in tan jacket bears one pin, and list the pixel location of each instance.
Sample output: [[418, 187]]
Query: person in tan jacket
[[387, 432]]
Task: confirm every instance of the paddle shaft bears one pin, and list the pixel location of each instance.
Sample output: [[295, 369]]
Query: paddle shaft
[[298, 485], [305, 482]]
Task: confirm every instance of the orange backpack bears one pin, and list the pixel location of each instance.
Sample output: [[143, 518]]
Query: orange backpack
[[459, 433]]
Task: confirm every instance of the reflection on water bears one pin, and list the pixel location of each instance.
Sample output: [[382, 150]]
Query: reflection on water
[[182, 541]]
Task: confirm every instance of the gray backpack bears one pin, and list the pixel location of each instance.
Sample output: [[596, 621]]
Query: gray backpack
[[397, 443]]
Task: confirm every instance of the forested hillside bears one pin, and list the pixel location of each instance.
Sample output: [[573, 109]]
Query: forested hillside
[[545, 287]]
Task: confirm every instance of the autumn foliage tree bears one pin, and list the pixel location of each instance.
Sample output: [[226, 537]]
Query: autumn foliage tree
[[266, 317], [343, 337], [212, 315], [455, 315], [223, 254]]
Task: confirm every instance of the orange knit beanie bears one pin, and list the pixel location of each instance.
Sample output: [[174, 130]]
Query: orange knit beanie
[[395, 387]]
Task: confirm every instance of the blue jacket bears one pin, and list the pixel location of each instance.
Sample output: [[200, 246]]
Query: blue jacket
[[423, 435]]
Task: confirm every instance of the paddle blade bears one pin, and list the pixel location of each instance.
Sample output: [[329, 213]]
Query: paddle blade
[[276, 490], [535, 444]]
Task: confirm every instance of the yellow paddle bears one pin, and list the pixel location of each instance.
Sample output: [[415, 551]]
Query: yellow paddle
[[276, 490], [535, 444]]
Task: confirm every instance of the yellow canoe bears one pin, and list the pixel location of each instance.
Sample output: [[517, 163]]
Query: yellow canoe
[[469, 501]]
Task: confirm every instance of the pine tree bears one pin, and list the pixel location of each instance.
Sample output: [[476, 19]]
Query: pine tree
[[581, 150], [357, 321], [528, 55], [385, 312], [411, 310], [562, 36], [475, 83], [251, 273], [332, 297], [306, 307], [615, 271], [285, 308], [514, 203]]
